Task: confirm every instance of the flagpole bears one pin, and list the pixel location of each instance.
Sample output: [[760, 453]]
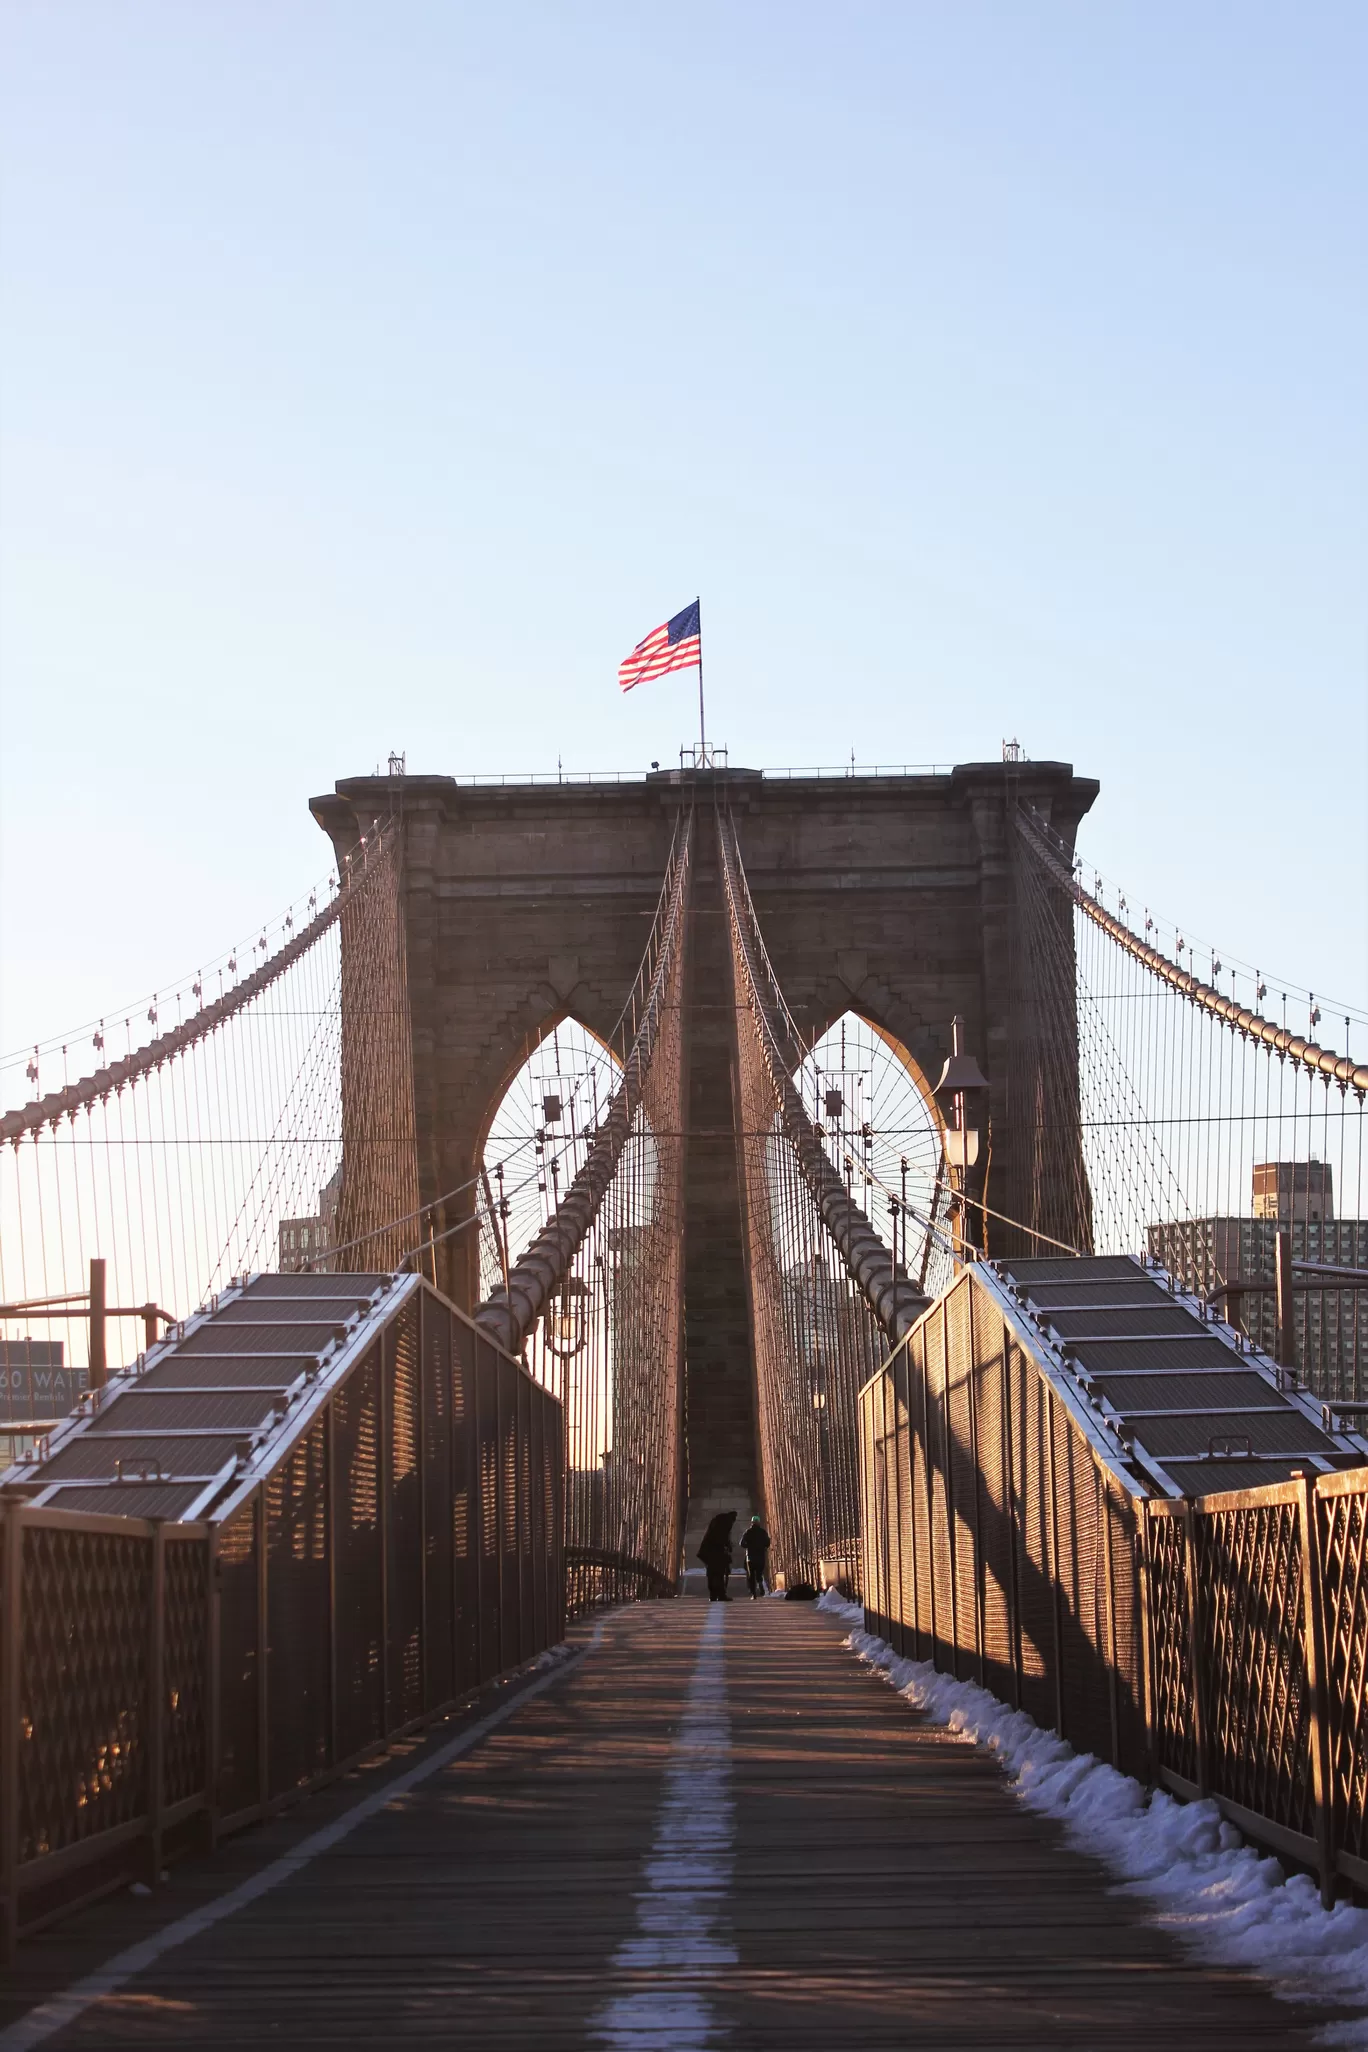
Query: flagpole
[[702, 731]]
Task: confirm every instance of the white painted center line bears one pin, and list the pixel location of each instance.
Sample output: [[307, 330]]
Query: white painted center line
[[681, 1942]]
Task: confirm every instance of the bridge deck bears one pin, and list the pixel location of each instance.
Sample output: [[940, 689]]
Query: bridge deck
[[716, 1829]]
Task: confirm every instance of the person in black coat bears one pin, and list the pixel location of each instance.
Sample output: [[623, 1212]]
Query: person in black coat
[[715, 1552], [755, 1544]]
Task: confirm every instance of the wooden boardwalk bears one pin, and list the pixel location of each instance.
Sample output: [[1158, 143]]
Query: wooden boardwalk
[[717, 1829]]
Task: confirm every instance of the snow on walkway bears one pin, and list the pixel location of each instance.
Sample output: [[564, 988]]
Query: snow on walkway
[[1221, 1897]]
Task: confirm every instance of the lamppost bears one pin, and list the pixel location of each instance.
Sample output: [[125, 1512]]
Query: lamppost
[[961, 1092]]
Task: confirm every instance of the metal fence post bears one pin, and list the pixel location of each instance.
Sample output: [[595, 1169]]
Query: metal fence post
[[330, 1529], [1317, 1682], [1113, 1705], [213, 1708], [907, 1552], [979, 1569], [1056, 1593], [98, 1369], [11, 1656], [1287, 1339], [893, 1513], [156, 1703], [500, 1511], [420, 1376], [877, 1594], [928, 1473], [1195, 1662], [263, 1656], [1149, 1670], [384, 1467], [456, 1445], [946, 1429], [1009, 1498], [540, 1539], [862, 1405], [474, 1464]]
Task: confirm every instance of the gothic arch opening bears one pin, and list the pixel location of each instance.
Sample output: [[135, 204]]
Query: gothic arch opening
[[607, 1338], [539, 1138], [873, 1107]]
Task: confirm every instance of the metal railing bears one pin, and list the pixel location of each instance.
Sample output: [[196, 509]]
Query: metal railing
[[516, 779], [863, 769], [105, 1721], [162, 1684], [595, 1578], [1213, 1646]]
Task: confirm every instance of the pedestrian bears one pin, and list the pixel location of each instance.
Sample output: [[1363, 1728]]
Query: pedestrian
[[755, 1544], [715, 1552]]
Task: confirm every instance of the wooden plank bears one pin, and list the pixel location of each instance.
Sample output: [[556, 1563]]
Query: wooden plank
[[886, 1888]]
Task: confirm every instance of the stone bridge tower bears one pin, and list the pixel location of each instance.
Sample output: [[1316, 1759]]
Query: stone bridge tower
[[892, 896]]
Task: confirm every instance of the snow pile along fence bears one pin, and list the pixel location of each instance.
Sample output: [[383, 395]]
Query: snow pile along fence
[[1026, 1528]]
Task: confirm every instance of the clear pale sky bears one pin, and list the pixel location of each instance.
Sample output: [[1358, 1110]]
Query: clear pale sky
[[373, 377]]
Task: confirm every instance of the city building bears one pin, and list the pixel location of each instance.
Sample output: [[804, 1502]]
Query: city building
[[304, 1242], [1293, 1191], [37, 1390], [1329, 1326]]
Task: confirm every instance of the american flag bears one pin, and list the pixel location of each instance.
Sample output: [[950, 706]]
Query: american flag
[[678, 645]]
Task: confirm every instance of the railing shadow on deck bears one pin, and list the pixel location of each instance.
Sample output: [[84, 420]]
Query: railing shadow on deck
[[163, 1684]]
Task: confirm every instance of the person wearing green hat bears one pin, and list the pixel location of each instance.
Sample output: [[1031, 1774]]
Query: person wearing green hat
[[755, 1544]]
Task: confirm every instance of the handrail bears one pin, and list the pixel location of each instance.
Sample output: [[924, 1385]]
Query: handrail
[[1322, 1061], [620, 1564], [509, 1314]]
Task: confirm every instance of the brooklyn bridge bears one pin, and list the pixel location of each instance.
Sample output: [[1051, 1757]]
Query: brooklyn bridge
[[581, 1167]]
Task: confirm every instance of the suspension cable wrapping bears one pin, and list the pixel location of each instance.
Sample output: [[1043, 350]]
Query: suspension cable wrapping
[[1322, 1061], [181, 1162], [94, 1089], [597, 1297], [1192, 1126], [828, 1298]]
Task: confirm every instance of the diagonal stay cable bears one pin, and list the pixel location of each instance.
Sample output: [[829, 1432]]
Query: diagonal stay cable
[[895, 1300], [510, 1314]]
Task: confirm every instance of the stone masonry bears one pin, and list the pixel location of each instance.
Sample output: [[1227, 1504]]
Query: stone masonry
[[528, 903]]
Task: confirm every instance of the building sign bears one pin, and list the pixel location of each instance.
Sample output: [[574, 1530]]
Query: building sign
[[35, 1381]]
